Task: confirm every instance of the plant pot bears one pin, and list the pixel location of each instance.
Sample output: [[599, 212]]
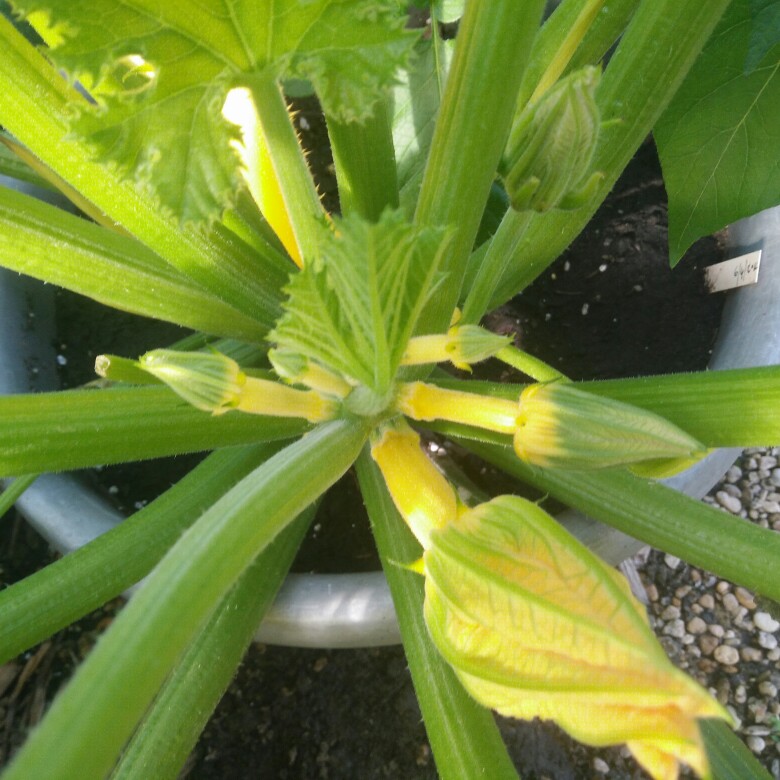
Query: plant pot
[[356, 610]]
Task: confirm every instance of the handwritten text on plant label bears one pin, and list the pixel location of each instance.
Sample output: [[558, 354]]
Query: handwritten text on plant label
[[737, 272]]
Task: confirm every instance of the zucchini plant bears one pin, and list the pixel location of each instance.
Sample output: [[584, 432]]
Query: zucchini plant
[[320, 341]]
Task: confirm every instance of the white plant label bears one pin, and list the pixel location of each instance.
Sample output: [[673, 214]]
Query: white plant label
[[737, 272]]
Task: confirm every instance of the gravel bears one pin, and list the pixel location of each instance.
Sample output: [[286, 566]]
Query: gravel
[[720, 633]]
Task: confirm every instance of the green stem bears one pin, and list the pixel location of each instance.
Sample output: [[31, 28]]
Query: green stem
[[95, 715], [463, 735], [565, 50], [656, 52], [528, 364], [47, 243], [295, 181], [365, 164], [180, 711], [11, 494], [714, 540], [471, 129], [500, 250], [69, 588], [735, 408], [79, 428]]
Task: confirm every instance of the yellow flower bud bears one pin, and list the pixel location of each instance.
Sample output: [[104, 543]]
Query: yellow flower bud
[[535, 625], [462, 345], [298, 369], [210, 381], [562, 426], [420, 492], [214, 383]]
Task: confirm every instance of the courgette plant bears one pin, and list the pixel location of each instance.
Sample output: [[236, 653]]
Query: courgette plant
[[317, 338]]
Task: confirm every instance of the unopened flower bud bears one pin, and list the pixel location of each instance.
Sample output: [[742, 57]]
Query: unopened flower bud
[[210, 381], [562, 426], [298, 369], [550, 151], [214, 383], [462, 345]]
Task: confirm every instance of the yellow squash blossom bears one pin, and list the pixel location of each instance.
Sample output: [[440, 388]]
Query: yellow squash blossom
[[535, 625]]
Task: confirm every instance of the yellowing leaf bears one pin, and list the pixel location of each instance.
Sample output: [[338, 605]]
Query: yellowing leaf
[[535, 625]]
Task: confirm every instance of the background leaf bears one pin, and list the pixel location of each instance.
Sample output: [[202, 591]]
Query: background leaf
[[161, 73], [718, 139], [416, 102]]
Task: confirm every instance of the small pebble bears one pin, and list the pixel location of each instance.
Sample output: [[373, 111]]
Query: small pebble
[[751, 654], [767, 462], [763, 621], [696, 626], [652, 592], [670, 613], [756, 744], [766, 640], [731, 503], [707, 644], [707, 601], [726, 655], [600, 766], [730, 603], [767, 689], [675, 628], [716, 630], [745, 597], [671, 561]]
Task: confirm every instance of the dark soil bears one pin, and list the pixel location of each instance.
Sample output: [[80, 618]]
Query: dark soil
[[610, 301]]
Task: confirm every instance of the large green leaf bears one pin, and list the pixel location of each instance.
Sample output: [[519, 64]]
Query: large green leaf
[[161, 72], [355, 309], [718, 139]]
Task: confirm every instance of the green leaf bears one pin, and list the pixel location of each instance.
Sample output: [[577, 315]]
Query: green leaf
[[765, 34], [416, 101], [729, 757], [354, 309], [718, 138], [161, 73]]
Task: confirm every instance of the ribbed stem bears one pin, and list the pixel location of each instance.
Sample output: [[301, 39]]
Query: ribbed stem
[[493, 43]]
